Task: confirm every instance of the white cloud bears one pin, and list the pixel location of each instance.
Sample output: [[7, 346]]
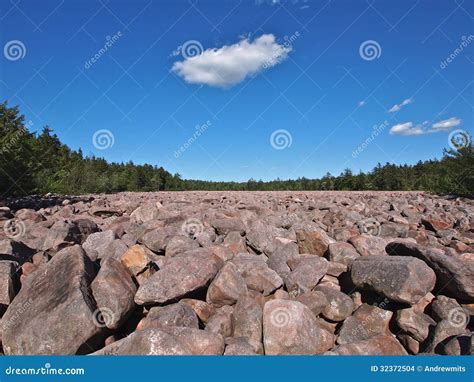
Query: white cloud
[[361, 103], [231, 64], [446, 124], [268, 2], [397, 107], [408, 128]]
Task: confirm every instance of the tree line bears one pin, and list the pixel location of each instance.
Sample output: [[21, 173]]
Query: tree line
[[38, 163]]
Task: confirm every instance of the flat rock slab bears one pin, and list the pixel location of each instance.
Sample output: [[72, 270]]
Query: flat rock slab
[[146, 342], [180, 276], [179, 314], [378, 345], [53, 312], [401, 279]]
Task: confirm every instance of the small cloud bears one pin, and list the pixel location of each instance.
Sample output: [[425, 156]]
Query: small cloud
[[304, 7], [407, 129], [397, 107], [268, 2], [446, 124], [231, 64], [361, 103]]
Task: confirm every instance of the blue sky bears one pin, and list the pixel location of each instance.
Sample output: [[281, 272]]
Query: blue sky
[[311, 77]]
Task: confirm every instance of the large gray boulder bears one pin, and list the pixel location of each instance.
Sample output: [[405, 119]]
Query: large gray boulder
[[54, 311]]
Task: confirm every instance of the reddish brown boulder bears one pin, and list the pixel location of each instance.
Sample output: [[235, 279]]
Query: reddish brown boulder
[[313, 241], [227, 287], [180, 276], [38, 321], [289, 327], [114, 291], [366, 322], [399, 278], [378, 345]]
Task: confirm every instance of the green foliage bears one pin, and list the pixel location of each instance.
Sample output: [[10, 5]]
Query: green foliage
[[40, 163]]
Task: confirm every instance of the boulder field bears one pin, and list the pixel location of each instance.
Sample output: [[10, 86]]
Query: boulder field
[[237, 273]]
